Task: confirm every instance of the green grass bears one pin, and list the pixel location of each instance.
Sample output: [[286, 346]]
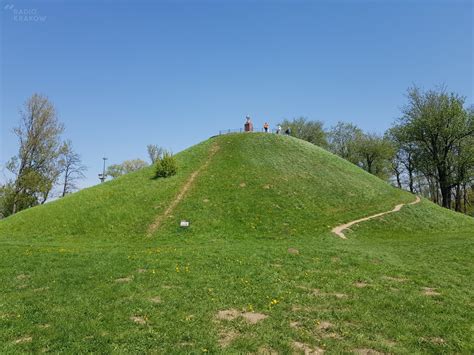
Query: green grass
[[259, 196]]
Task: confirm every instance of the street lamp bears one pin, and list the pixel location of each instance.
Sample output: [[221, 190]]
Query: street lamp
[[103, 176]]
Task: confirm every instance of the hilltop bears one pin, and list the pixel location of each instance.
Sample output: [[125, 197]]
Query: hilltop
[[109, 268]]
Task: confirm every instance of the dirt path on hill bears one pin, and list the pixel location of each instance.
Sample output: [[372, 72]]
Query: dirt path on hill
[[338, 230], [182, 192]]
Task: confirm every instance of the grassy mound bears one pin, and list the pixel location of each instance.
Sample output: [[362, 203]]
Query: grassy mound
[[83, 274]]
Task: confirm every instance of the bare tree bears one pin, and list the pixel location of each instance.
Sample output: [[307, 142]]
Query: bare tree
[[72, 168], [154, 152]]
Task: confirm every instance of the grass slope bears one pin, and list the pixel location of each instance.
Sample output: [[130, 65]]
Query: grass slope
[[80, 274]]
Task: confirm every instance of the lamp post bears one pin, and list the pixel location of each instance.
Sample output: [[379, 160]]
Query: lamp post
[[103, 176]]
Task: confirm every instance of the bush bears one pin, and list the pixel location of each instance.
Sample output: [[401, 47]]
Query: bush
[[166, 166]]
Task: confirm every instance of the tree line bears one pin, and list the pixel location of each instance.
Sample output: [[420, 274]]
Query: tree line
[[46, 166], [429, 150]]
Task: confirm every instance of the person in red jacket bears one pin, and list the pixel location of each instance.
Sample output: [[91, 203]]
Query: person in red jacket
[[248, 126]]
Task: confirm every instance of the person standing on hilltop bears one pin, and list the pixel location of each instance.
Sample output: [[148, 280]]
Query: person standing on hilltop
[[278, 129], [265, 127], [288, 131], [248, 126]]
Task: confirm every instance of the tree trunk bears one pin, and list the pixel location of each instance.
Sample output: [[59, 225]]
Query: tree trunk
[[464, 187], [444, 187], [457, 199], [399, 183], [410, 180]]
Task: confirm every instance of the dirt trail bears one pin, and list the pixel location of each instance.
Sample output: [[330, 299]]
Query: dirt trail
[[184, 189], [338, 230]]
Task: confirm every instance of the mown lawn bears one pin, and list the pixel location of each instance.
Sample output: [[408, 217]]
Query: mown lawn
[[259, 244]]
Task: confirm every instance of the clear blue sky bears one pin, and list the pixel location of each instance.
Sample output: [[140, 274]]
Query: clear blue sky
[[124, 74]]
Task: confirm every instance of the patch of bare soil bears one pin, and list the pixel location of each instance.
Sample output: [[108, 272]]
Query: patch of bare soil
[[231, 314], [22, 277], [141, 271], [138, 320], [267, 187], [242, 184], [124, 279], [360, 284], [428, 291], [253, 317], [182, 193], [156, 299], [317, 292], [293, 251], [228, 314], [23, 340], [306, 349], [264, 350], [294, 325], [437, 340], [331, 335], [43, 326], [226, 338], [324, 328], [324, 325], [367, 352]]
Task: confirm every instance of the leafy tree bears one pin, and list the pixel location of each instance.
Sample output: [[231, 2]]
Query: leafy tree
[[404, 159], [126, 167], [438, 126], [374, 154], [311, 131], [7, 192], [35, 167], [342, 139], [72, 168], [114, 170]]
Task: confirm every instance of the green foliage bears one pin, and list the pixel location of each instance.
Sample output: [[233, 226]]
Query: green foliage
[[374, 154], [76, 271], [166, 166], [342, 140], [36, 166], [310, 131], [7, 194], [128, 166], [440, 133]]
